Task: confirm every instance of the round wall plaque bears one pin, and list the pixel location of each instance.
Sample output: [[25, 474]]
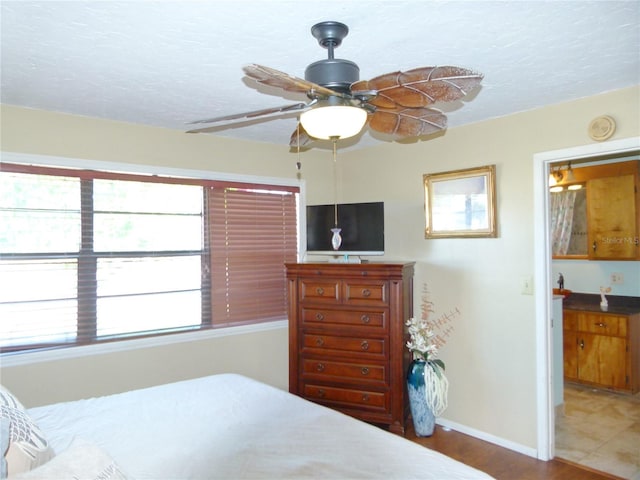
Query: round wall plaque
[[602, 128]]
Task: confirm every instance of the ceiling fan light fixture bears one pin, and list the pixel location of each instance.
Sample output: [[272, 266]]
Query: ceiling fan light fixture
[[333, 121]]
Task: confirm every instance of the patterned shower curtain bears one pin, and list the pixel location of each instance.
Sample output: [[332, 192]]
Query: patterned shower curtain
[[562, 204]]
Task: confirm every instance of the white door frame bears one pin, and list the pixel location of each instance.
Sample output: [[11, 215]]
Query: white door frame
[[543, 282]]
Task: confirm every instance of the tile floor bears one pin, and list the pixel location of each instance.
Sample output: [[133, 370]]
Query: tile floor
[[601, 430]]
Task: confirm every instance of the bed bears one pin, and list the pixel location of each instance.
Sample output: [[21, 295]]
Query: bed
[[224, 426]]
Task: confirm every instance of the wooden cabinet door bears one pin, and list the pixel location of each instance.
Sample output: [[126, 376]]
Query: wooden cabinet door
[[570, 344], [602, 360], [570, 355], [611, 207]]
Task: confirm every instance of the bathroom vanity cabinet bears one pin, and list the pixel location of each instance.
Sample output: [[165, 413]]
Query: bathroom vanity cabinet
[[602, 349]]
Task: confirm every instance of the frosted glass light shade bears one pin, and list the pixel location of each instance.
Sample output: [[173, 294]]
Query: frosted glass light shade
[[341, 121]]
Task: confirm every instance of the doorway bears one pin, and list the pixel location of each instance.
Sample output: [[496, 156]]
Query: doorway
[[543, 281]]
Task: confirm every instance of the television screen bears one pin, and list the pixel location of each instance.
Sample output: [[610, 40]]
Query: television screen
[[361, 224]]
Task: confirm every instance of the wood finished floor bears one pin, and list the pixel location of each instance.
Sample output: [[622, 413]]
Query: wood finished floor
[[502, 463]]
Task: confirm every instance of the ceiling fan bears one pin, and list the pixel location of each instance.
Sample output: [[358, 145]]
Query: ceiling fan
[[340, 104]]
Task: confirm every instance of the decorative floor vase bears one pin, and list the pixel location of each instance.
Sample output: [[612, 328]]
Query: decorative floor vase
[[424, 421]]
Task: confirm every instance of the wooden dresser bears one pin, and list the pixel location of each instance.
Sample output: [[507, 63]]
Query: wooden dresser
[[347, 336]]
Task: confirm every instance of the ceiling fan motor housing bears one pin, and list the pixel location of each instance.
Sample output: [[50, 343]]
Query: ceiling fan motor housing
[[334, 73]]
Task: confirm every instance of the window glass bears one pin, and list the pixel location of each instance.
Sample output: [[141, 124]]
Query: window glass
[[39, 213], [147, 313], [146, 216], [131, 276]]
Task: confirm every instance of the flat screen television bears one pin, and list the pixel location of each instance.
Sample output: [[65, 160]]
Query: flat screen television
[[362, 227]]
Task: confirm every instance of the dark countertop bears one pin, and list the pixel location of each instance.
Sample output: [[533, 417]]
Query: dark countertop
[[590, 302]]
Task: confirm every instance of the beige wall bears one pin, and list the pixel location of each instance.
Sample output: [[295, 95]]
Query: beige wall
[[491, 356], [40, 382]]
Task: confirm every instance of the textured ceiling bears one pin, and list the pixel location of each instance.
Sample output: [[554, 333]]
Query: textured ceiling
[[164, 63]]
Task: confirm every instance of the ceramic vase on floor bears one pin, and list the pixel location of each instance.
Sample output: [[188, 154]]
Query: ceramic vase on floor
[[424, 421]]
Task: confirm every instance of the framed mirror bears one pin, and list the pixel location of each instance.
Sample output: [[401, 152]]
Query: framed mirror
[[461, 203]]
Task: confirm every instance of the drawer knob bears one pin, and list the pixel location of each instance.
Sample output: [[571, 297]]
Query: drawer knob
[[366, 292], [364, 371], [320, 367], [321, 393], [320, 291], [319, 316], [364, 345], [600, 324], [365, 397], [365, 319], [319, 341]]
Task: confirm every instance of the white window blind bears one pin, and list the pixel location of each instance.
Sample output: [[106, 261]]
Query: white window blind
[[87, 256]]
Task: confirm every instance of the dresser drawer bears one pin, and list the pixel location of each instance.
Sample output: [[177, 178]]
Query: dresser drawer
[[329, 370], [347, 397], [362, 292], [330, 344], [316, 290], [603, 324], [374, 319]]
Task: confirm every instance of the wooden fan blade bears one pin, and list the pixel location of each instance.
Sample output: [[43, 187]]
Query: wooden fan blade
[[228, 120], [253, 114], [419, 87], [408, 122], [278, 79], [300, 137]]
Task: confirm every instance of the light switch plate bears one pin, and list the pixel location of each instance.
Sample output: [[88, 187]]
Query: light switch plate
[[526, 285]]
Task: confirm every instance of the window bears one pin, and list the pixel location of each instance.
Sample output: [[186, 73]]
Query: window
[[88, 256]]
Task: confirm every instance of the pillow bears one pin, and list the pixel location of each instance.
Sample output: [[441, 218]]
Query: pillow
[[81, 461], [4, 445], [28, 448]]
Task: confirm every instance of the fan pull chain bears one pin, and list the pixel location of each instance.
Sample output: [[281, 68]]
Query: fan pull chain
[[335, 181], [298, 163], [336, 239]]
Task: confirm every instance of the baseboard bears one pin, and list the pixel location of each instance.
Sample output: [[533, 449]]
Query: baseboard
[[487, 437]]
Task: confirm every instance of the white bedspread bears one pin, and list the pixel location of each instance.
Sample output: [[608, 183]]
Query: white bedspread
[[231, 427]]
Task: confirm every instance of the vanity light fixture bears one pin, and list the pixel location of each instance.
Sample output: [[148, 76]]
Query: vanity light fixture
[[555, 177], [559, 177], [570, 176]]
